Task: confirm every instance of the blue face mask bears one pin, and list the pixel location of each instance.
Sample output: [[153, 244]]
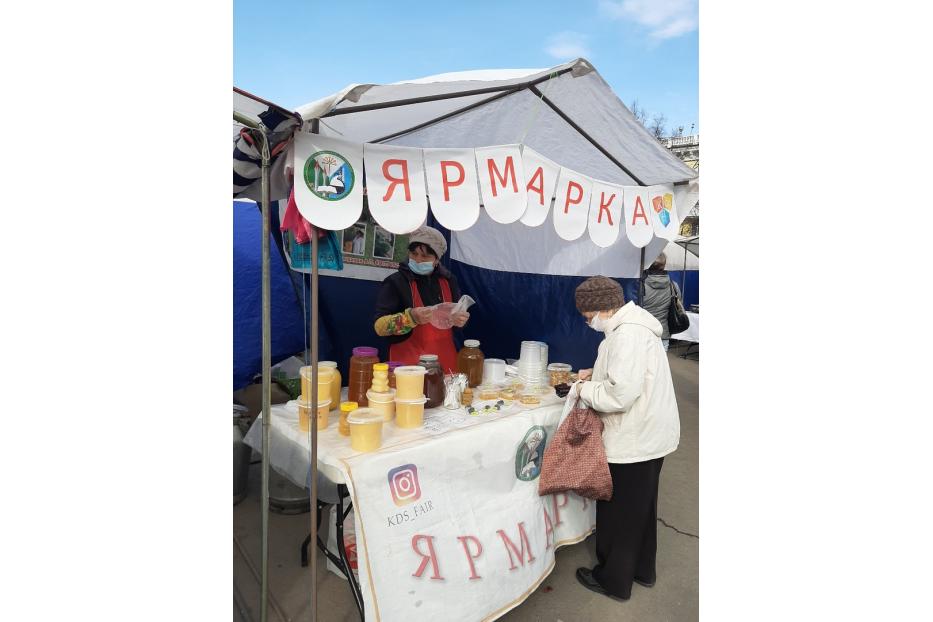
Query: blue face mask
[[423, 268]]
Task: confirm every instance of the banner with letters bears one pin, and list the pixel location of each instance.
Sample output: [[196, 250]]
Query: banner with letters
[[460, 536], [509, 182]]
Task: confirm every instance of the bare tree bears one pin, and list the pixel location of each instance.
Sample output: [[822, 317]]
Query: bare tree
[[641, 115], [657, 128]]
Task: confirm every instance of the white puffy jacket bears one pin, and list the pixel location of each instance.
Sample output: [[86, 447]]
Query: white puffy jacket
[[631, 389]]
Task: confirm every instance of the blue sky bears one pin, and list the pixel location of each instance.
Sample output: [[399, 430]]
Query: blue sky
[[292, 52]]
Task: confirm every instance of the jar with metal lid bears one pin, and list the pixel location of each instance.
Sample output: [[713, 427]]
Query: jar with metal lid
[[433, 380], [470, 362]]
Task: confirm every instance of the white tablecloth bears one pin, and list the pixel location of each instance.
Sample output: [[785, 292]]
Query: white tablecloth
[[692, 333], [460, 492]]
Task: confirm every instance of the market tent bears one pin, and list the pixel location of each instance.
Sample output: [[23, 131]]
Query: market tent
[[687, 277], [523, 278]]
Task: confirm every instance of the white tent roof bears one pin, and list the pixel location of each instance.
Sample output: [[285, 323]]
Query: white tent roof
[[676, 252], [567, 113]]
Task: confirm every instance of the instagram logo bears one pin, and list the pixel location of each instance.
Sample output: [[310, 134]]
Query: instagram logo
[[403, 482]]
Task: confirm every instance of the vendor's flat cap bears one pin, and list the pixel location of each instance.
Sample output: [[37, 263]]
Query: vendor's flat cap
[[430, 236], [599, 293]]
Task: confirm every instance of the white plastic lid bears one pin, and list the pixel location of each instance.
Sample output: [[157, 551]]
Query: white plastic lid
[[471, 343], [364, 416], [559, 367], [381, 398], [410, 370], [428, 357], [420, 400], [332, 364]]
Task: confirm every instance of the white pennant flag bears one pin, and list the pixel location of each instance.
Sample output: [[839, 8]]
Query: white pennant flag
[[540, 178], [663, 212], [451, 175], [571, 204], [395, 187], [637, 224], [328, 180], [605, 218], [502, 182]]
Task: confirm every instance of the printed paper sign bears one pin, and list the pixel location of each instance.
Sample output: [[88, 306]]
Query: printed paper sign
[[395, 187], [452, 189], [605, 219], [540, 178], [502, 182], [637, 224], [571, 204], [328, 180], [663, 213]]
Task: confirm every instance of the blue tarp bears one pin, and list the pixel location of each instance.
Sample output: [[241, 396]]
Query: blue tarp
[[287, 327]]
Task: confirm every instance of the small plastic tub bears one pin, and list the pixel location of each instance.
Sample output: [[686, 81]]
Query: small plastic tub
[[409, 382], [559, 373], [365, 429], [410, 413], [382, 403], [486, 392], [304, 414], [530, 396], [324, 377]]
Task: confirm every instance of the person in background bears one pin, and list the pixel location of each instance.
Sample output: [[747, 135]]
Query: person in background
[[630, 388], [402, 313], [658, 295], [359, 241]]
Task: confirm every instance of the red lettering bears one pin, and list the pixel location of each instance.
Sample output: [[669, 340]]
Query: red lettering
[[396, 180], [548, 529], [568, 202], [494, 174], [639, 211], [557, 520], [604, 207], [511, 548], [425, 557], [471, 557], [539, 189], [445, 181]]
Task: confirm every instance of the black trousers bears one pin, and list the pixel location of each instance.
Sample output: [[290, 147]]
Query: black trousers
[[627, 527]]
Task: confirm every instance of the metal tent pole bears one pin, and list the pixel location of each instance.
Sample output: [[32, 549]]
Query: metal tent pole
[[314, 392], [683, 278], [266, 378], [641, 278]]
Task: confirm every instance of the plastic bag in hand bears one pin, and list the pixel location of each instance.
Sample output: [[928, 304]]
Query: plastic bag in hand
[[441, 313]]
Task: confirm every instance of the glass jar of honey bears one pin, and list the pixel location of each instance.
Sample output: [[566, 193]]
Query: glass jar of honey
[[360, 376], [433, 380], [470, 362]]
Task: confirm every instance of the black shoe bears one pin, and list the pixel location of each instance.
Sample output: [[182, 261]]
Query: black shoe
[[643, 582], [587, 580]]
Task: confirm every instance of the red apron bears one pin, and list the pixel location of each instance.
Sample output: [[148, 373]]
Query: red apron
[[426, 338]]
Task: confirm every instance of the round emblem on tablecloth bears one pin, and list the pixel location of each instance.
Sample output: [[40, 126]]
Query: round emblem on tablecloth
[[530, 453]]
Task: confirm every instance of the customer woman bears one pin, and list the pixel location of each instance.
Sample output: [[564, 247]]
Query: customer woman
[[630, 388], [658, 295], [402, 308]]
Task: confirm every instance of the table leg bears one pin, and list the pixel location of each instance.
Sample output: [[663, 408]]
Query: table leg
[[342, 514]]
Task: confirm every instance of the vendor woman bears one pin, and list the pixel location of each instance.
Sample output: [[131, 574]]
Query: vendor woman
[[403, 313]]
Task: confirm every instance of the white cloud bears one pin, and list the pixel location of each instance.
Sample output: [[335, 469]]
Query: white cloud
[[665, 18], [567, 45]]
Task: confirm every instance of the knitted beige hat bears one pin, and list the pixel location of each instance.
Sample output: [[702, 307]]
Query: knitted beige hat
[[430, 236], [599, 293]]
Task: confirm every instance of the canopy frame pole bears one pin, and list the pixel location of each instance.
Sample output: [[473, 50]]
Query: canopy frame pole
[[266, 378], [641, 279], [314, 400], [683, 278]]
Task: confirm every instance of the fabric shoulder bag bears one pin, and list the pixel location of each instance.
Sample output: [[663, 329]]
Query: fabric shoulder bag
[[677, 320], [576, 458]]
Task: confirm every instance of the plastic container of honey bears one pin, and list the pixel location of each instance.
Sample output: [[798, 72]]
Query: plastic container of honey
[[409, 382], [365, 429], [470, 362], [382, 403], [325, 376], [345, 409], [335, 382], [304, 414], [410, 413], [361, 373], [486, 392], [392, 366], [380, 377], [558, 373]]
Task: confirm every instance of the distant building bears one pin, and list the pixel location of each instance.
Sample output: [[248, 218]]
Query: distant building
[[687, 148]]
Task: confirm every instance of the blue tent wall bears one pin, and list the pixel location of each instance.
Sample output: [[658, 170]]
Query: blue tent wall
[[692, 295], [287, 328]]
